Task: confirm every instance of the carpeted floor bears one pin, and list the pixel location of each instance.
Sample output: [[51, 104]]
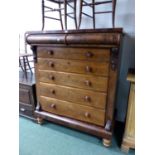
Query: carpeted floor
[[52, 139]]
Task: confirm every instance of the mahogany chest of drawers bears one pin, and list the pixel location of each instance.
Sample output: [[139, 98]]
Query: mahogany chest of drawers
[[76, 75], [27, 95]]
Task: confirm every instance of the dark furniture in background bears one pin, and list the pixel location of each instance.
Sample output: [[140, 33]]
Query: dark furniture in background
[[92, 4], [61, 9], [76, 77], [27, 95]]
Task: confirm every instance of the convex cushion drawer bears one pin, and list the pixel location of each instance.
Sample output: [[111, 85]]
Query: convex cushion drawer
[[76, 111], [81, 96], [74, 66], [97, 83], [74, 53]]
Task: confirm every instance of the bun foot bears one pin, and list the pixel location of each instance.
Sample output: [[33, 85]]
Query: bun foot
[[40, 120], [106, 142], [125, 148]]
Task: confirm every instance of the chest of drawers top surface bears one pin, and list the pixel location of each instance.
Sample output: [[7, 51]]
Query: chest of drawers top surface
[[76, 72]]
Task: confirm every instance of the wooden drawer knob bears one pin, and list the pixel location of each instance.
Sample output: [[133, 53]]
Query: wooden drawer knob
[[51, 52], [88, 83], [51, 77], [53, 106], [87, 98], [52, 91], [51, 64], [88, 69], [89, 54], [87, 114]]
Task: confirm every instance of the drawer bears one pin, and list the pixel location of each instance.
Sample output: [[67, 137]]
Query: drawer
[[24, 95], [74, 53], [97, 83], [80, 96], [26, 110], [74, 66], [76, 111]]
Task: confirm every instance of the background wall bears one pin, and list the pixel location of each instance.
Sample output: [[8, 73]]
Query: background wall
[[30, 19]]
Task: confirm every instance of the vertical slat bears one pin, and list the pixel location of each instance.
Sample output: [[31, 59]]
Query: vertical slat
[[26, 58], [93, 1], [60, 15], [111, 95], [65, 14], [80, 14], [113, 12], [75, 20], [20, 64]]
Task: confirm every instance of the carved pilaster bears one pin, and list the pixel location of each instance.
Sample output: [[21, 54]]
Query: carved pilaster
[[34, 50], [114, 58], [108, 125]]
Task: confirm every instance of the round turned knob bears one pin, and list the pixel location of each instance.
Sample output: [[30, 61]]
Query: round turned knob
[[87, 114], [87, 98], [50, 52], [53, 106], [22, 109], [89, 69], [51, 77], [89, 54], [52, 91], [88, 83], [51, 64]]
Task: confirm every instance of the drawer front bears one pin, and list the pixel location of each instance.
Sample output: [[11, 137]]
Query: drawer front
[[26, 110], [76, 111], [74, 53], [97, 83], [24, 96], [74, 66], [85, 97]]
